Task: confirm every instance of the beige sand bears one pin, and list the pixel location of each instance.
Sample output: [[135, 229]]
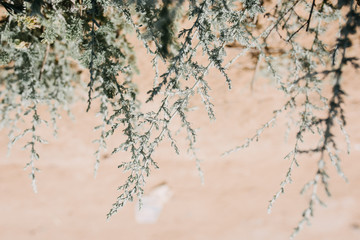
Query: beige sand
[[232, 204]]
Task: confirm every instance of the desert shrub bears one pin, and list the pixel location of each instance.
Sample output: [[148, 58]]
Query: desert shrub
[[48, 44]]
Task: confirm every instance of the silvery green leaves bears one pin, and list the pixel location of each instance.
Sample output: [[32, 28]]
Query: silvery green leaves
[[43, 55], [37, 73], [308, 66], [183, 77]]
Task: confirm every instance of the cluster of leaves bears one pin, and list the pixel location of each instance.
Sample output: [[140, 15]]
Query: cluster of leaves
[[47, 44]]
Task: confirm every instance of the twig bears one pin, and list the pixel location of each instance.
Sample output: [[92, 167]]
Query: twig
[[257, 66], [309, 19], [44, 61], [307, 23]]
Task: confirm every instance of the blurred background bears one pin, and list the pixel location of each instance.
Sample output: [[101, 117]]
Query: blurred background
[[231, 204]]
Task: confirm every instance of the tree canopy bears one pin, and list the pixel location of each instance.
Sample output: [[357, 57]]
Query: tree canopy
[[46, 45]]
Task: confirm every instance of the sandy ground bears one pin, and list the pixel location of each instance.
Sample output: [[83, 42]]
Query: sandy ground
[[231, 205]]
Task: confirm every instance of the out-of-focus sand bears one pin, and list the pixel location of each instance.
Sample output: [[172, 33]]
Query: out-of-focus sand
[[232, 204]]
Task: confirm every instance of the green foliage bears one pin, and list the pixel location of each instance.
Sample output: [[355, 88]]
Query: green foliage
[[46, 45]]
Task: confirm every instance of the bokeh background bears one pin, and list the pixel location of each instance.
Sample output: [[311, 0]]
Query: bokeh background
[[230, 205]]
